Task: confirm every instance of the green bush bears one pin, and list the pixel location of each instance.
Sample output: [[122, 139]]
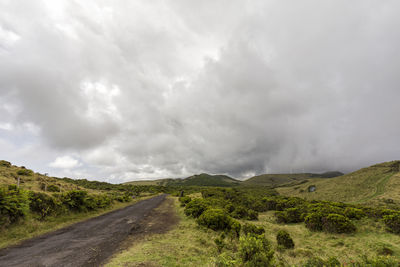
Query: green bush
[[184, 200], [392, 222], [14, 205], [44, 204], [75, 200], [313, 221], [353, 213], [290, 215], [235, 227], [215, 219], [255, 250], [318, 262], [5, 163], [283, 238], [25, 172], [336, 223], [53, 188], [195, 208], [252, 229], [242, 212]]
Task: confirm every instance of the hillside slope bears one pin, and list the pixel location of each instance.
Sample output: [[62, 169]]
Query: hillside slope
[[280, 179], [30, 180], [376, 183], [203, 179]]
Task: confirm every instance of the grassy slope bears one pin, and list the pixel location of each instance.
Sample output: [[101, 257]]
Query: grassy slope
[[365, 185], [190, 245], [8, 176], [285, 178]]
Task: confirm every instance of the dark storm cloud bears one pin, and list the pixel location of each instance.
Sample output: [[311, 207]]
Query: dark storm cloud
[[124, 90]]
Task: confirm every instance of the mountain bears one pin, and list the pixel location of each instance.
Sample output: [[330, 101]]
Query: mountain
[[280, 179], [203, 179], [377, 183]]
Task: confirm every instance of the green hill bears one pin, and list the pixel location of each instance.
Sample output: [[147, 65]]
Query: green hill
[[33, 181], [203, 179], [377, 183], [280, 179]]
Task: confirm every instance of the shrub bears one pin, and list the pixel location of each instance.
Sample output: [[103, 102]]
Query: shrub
[[235, 227], [44, 204], [75, 200], [290, 215], [215, 219], [318, 262], [336, 223], [392, 222], [253, 229], [25, 172], [313, 221], [255, 250], [242, 212], [53, 188], [5, 163], [283, 238], [14, 205], [184, 200], [95, 202], [195, 208], [353, 213]]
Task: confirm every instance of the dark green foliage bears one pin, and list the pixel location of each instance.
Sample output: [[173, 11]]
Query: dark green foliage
[[336, 223], [353, 213], [215, 219], [392, 222], [53, 188], [313, 221], [14, 205], [235, 228], [44, 204], [290, 215], [184, 200], [94, 202], [283, 238], [195, 207], [219, 241], [255, 250], [75, 200], [242, 212], [5, 163], [252, 229], [25, 172]]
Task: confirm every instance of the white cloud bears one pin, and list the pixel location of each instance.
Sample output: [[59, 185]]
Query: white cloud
[[65, 162]]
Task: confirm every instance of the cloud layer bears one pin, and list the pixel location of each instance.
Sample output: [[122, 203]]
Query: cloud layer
[[124, 90]]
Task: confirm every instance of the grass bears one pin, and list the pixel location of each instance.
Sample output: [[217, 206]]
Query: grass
[[190, 245], [32, 227], [365, 185], [185, 245], [369, 239]]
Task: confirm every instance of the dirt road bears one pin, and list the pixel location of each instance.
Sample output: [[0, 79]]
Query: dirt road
[[87, 243]]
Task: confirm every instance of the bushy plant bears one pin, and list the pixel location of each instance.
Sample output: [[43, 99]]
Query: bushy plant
[[43, 204], [5, 163], [336, 223], [255, 250], [75, 200], [184, 200], [353, 213], [318, 262], [14, 205], [242, 212], [53, 188], [195, 208], [392, 222], [290, 215], [215, 219], [283, 238], [252, 229], [25, 172], [313, 221]]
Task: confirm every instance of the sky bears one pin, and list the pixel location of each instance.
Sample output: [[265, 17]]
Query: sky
[[133, 90]]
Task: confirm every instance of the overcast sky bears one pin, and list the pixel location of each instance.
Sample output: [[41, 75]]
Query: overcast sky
[[126, 90]]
